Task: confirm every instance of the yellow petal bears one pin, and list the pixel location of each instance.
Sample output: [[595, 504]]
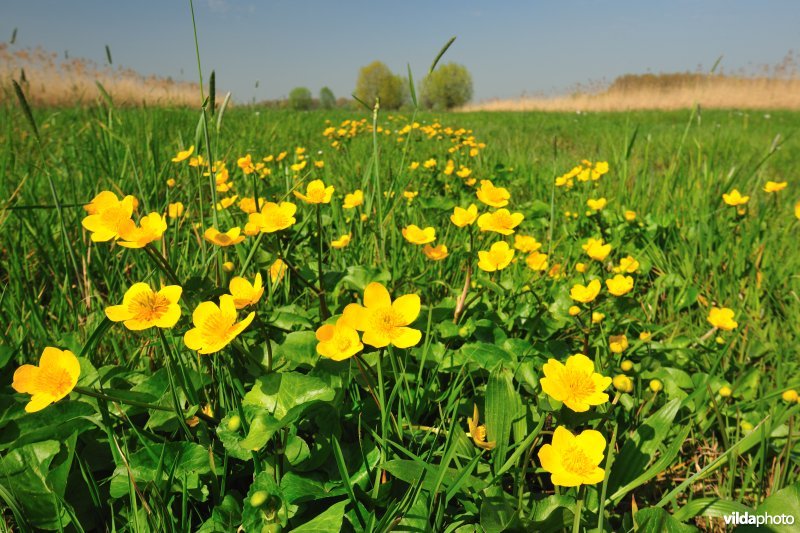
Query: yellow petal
[[580, 363], [376, 296], [192, 338], [375, 339], [408, 307], [118, 313], [171, 293], [170, 317], [203, 311], [25, 378], [38, 402], [406, 338]]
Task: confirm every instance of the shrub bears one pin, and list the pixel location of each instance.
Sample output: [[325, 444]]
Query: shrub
[[326, 98], [377, 81], [447, 87], [300, 98]]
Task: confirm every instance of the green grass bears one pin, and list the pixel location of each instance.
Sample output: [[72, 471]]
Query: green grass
[[381, 441]]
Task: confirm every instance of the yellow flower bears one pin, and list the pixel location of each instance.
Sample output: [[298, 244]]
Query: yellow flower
[[645, 336], [595, 249], [463, 172], [775, 186], [572, 460], [623, 383], [619, 285], [735, 198], [585, 293], [274, 217], [429, 164], [143, 308], [722, 318], [215, 326], [626, 365], [227, 266], [244, 293], [537, 261], [175, 210], [229, 238], [319, 164], [385, 322], [342, 241], [491, 195], [656, 385], [581, 267], [597, 317], [105, 200], [618, 343], [628, 265], [316, 193], [54, 378], [151, 228], [501, 221], [277, 271], [297, 167], [464, 217], [225, 203], [248, 204], [246, 164], [415, 235], [596, 205], [629, 215], [526, 244], [498, 257], [338, 342], [725, 391], [797, 210], [574, 310], [478, 431], [414, 165], [183, 155], [790, 396], [576, 383], [354, 199], [436, 253], [110, 217], [410, 195], [171, 182]]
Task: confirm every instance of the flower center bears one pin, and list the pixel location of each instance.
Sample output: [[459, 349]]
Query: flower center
[[148, 306], [579, 385], [385, 321], [55, 381], [575, 461]]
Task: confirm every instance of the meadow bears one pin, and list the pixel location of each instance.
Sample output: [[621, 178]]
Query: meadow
[[397, 321]]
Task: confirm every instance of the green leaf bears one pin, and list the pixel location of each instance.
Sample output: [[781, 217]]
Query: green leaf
[[501, 410], [264, 508], [299, 348], [298, 488], [225, 517], [497, 509], [279, 393], [329, 521], [785, 501], [485, 355], [154, 463], [412, 472], [713, 507], [657, 520], [57, 422]]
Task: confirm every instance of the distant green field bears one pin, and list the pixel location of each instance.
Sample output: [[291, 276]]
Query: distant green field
[[685, 411]]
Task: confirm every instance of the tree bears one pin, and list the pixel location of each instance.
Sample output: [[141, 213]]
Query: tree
[[300, 98], [377, 81], [447, 87], [326, 98]]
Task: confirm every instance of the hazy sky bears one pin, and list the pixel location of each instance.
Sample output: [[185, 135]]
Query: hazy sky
[[511, 47]]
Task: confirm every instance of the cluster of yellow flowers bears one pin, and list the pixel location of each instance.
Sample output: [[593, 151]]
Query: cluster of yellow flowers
[[110, 218], [585, 171], [739, 201]]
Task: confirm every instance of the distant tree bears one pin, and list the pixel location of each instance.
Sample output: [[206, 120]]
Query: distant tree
[[377, 81], [446, 87], [326, 98], [300, 98]]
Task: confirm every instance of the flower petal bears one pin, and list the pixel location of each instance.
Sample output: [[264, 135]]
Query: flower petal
[[407, 307], [376, 296], [25, 378], [406, 337]]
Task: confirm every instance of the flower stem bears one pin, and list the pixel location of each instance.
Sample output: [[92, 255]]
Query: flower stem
[[323, 307], [576, 522], [162, 264]]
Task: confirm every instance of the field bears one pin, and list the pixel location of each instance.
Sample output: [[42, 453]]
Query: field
[[527, 377]]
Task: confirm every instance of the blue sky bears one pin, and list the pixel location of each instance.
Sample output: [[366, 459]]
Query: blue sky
[[511, 47]]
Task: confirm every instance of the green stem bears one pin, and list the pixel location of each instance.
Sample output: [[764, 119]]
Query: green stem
[[576, 522], [323, 307], [101, 396], [162, 264], [382, 405]]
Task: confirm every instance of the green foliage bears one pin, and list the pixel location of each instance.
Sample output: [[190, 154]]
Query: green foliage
[[300, 99], [326, 98], [448, 86], [377, 81]]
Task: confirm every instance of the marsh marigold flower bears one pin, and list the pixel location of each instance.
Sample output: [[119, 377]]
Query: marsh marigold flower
[[536, 261], [316, 193], [175, 210], [619, 285], [277, 270], [501, 221], [215, 326], [151, 227], [630, 215], [106, 199], [385, 322], [790, 396], [244, 293], [435, 253], [722, 318], [416, 235], [797, 210], [775, 186], [478, 431], [54, 378], [572, 460], [627, 265], [144, 308], [353, 199], [248, 204], [342, 241], [735, 198], [229, 238], [585, 293], [623, 383], [526, 244], [491, 195], [576, 384], [183, 155], [498, 257], [618, 343], [274, 217], [338, 342], [595, 249], [596, 205], [464, 217], [109, 217]]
